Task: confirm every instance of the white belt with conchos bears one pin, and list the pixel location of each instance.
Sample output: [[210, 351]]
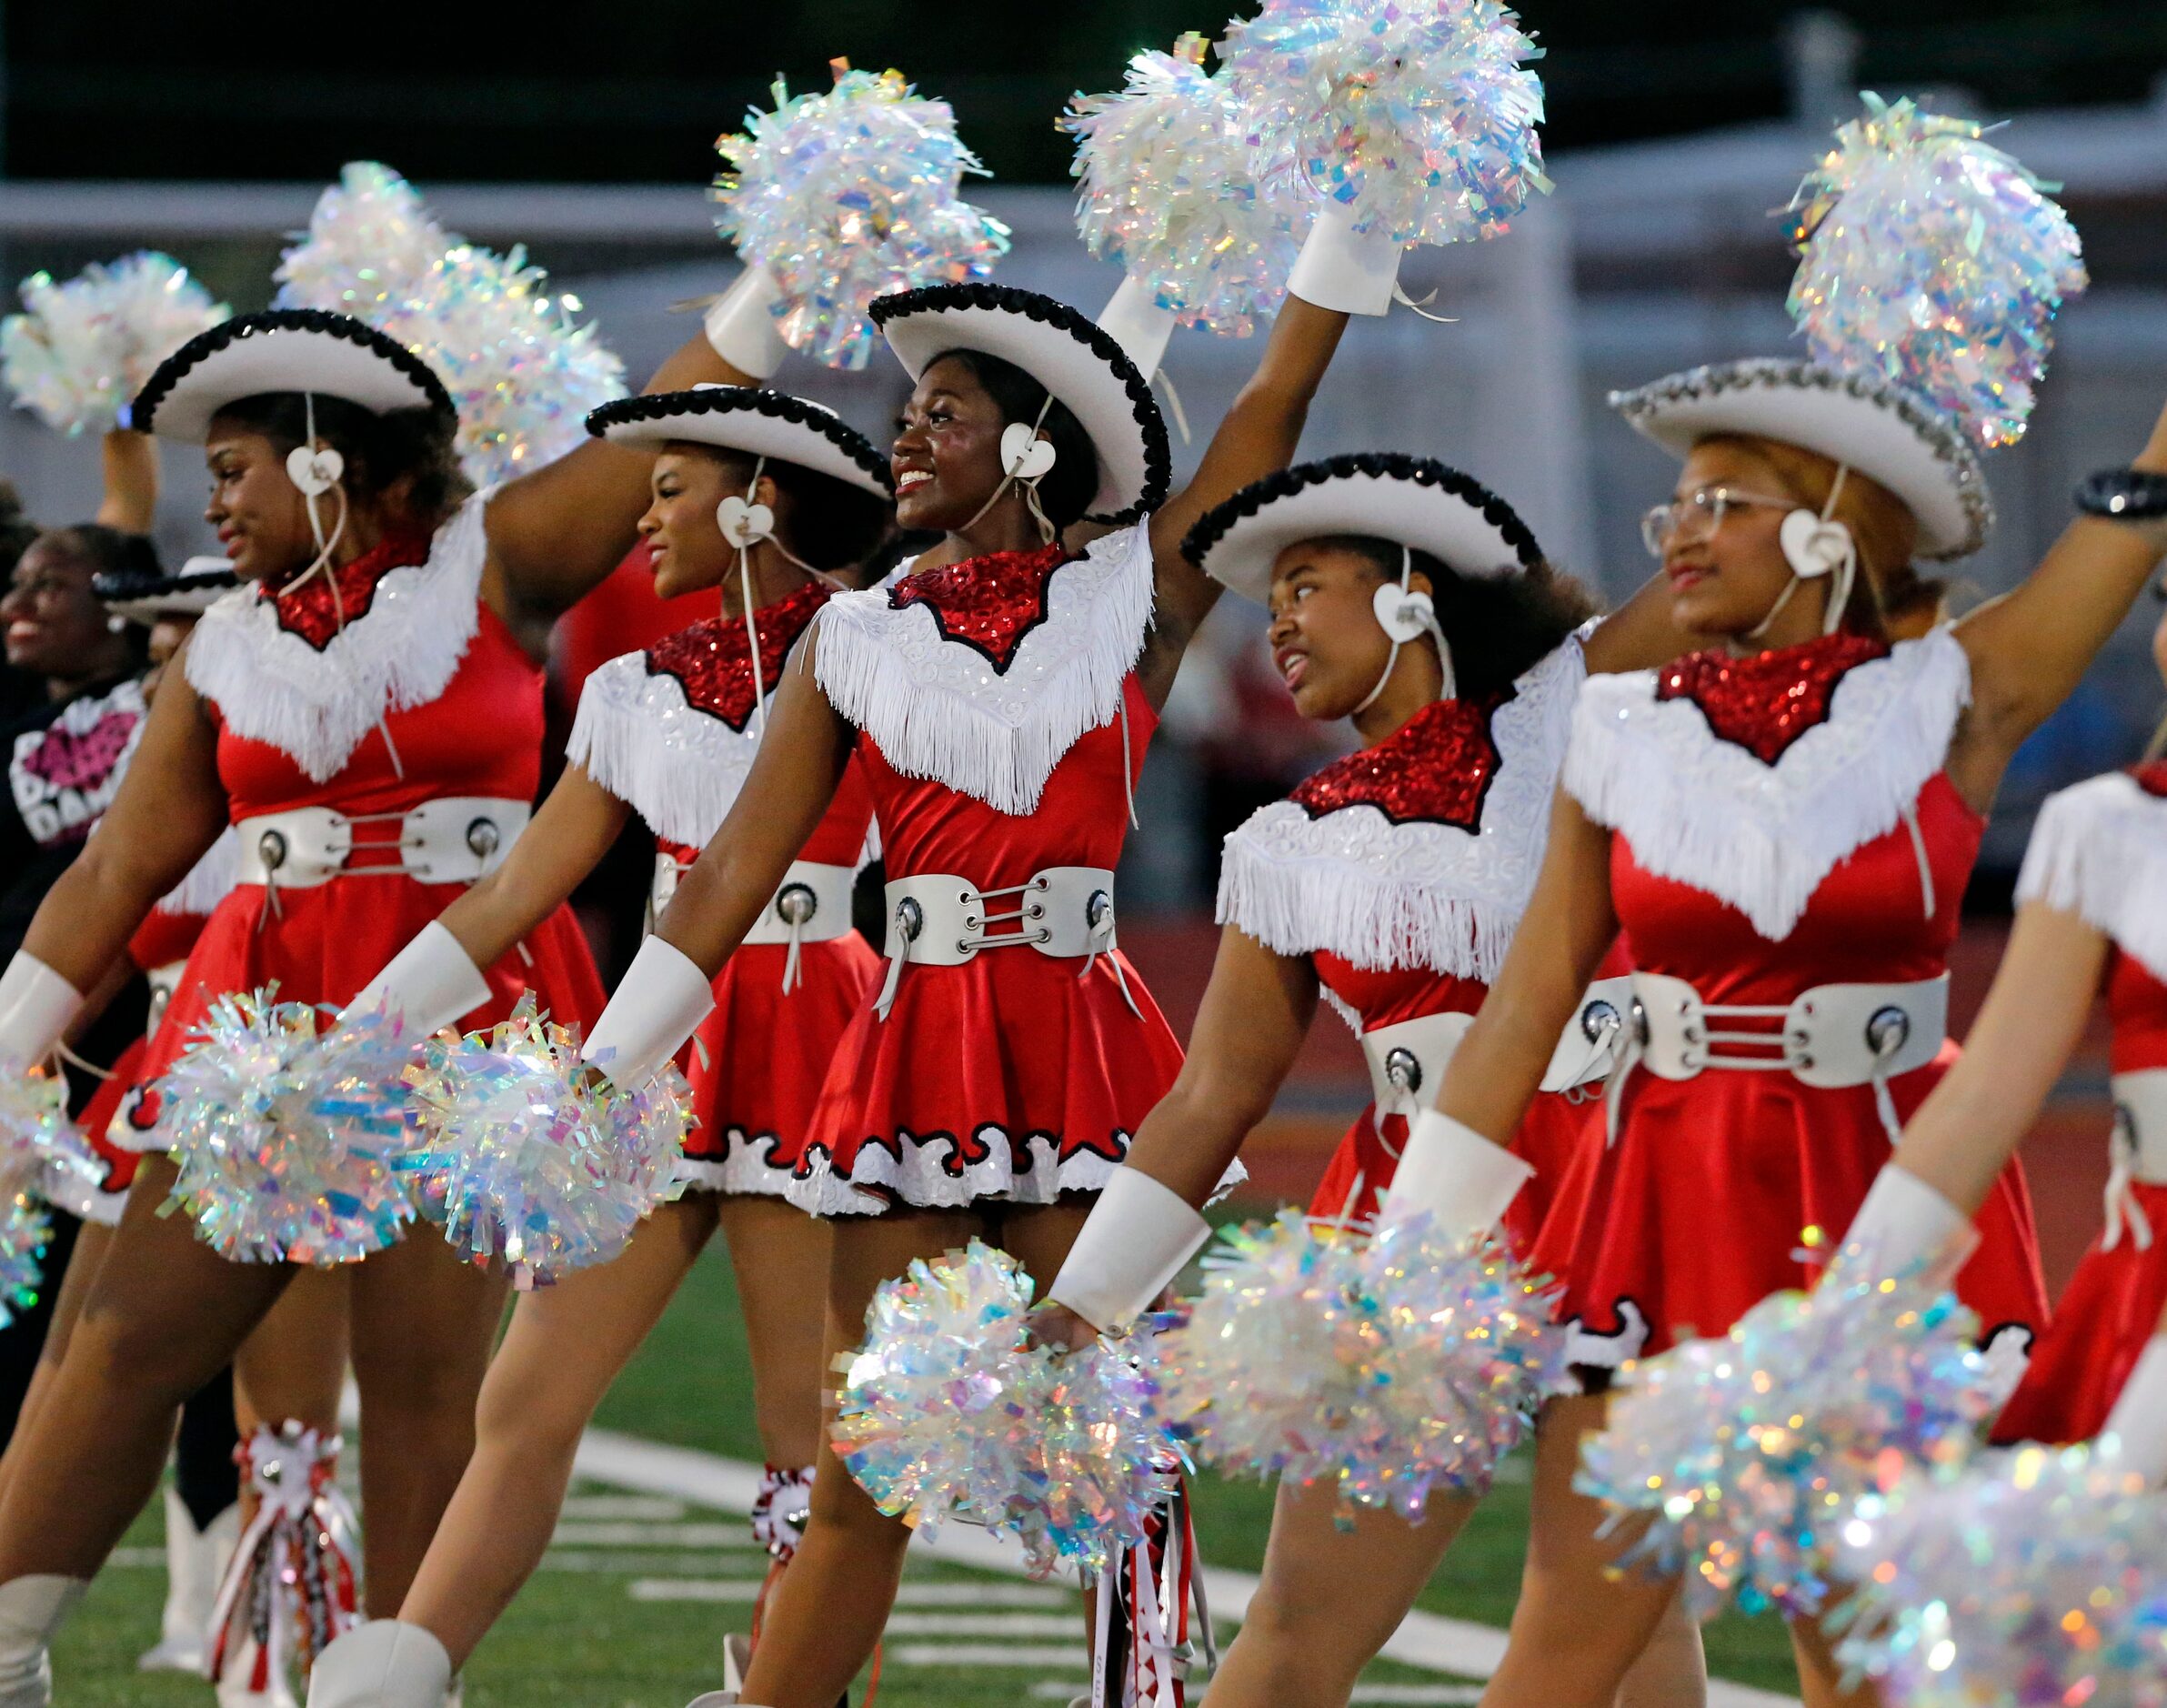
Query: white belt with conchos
[[2140, 1154], [812, 905], [1406, 1060], [454, 839], [939, 920], [1830, 1036]]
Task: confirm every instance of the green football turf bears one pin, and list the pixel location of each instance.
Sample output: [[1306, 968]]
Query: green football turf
[[576, 1635]]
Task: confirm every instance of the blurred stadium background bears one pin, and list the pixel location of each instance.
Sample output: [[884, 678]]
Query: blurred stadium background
[[586, 136]]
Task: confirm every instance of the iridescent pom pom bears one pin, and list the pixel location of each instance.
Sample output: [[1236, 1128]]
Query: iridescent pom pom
[[1386, 1365], [1422, 118], [948, 1415], [286, 1139], [2036, 1576], [524, 1155], [1167, 191], [850, 195], [521, 369], [1751, 1451], [1935, 260], [35, 1130], [81, 350]]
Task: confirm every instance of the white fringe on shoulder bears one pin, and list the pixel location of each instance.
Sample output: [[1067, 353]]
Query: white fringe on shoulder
[[678, 768], [1387, 896], [1706, 812], [2099, 851], [938, 710], [208, 880], [315, 706]]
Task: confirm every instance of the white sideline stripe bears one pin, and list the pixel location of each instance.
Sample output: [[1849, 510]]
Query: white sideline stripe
[[1037, 1659], [1069, 1625], [675, 1565], [599, 1507], [1457, 1646], [724, 1538], [731, 1590]]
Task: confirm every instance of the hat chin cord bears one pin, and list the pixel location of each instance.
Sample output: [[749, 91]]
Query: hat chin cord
[[1404, 615], [1816, 546], [1026, 460]]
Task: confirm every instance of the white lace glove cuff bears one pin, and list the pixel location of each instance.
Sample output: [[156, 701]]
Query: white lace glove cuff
[[1342, 269], [1454, 1175], [1905, 1220], [741, 331], [2139, 1415], [36, 1007], [660, 1004], [430, 984], [1137, 1238]]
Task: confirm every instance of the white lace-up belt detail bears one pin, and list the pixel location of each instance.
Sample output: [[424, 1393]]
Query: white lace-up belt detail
[[812, 905], [1831, 1035], [2140, 1154], [938, 920], [455, 839], [1408, 1058]]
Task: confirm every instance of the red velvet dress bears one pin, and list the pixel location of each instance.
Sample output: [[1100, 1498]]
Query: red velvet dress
[[305, 708], [1000, 728], [1760, 847], [2100, 850], [672, 732], [1402, 871]]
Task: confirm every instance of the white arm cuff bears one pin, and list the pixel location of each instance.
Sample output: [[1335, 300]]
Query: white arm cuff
[[1340, 268], [663, 999], [1456, 1176], [1133, 320], [2139, 1415], [36, 1007], [1137, 1238], [1905, 1220], [430, 984], [741, 329]]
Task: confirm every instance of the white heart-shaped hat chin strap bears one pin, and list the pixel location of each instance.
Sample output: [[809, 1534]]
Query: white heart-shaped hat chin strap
[[1026, 460], [1406, 614]]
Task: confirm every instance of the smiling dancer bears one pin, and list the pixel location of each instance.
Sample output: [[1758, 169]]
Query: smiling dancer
[[1000, 694], [670, 733], [364, 714]]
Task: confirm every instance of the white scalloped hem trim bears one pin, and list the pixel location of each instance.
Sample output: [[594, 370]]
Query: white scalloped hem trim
[[1298, 907], [935, 708], [1704, 812], [744, 1169], [2100, 852], [921, 1179], [622, 737]]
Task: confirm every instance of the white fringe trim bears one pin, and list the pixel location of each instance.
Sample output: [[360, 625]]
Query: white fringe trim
[[209, 881], [317, 707], [921, 1180], [679, 767], [937, 710], [1706, 812], [1388, 896], [2099, 851]]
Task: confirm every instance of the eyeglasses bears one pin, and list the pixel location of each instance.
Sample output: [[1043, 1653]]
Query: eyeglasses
[[1698, 515]]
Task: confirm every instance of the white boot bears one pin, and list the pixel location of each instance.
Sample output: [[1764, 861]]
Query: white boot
[[196, 1560], [31, 1610], [386, 1663]]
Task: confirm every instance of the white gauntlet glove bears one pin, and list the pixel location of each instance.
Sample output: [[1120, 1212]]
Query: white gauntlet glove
[[1139, 1235], [660, 1004]]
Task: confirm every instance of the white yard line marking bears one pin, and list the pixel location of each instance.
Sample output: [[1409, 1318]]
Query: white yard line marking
[[735, 1590], [727, 1590], [1069, 1625], [645, 1507], [1023, 1657], [725, 1538], [1431, 1640], [692, 1566]]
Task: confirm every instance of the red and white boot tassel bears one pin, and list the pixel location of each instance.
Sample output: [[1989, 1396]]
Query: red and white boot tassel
[[1143, 1647], [294, 1583]]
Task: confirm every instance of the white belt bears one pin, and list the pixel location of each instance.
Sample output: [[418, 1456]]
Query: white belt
[[1831, 1035], [454, 839], [938, 920], [2139, 1154], [1406, 1060], [811, 905]]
